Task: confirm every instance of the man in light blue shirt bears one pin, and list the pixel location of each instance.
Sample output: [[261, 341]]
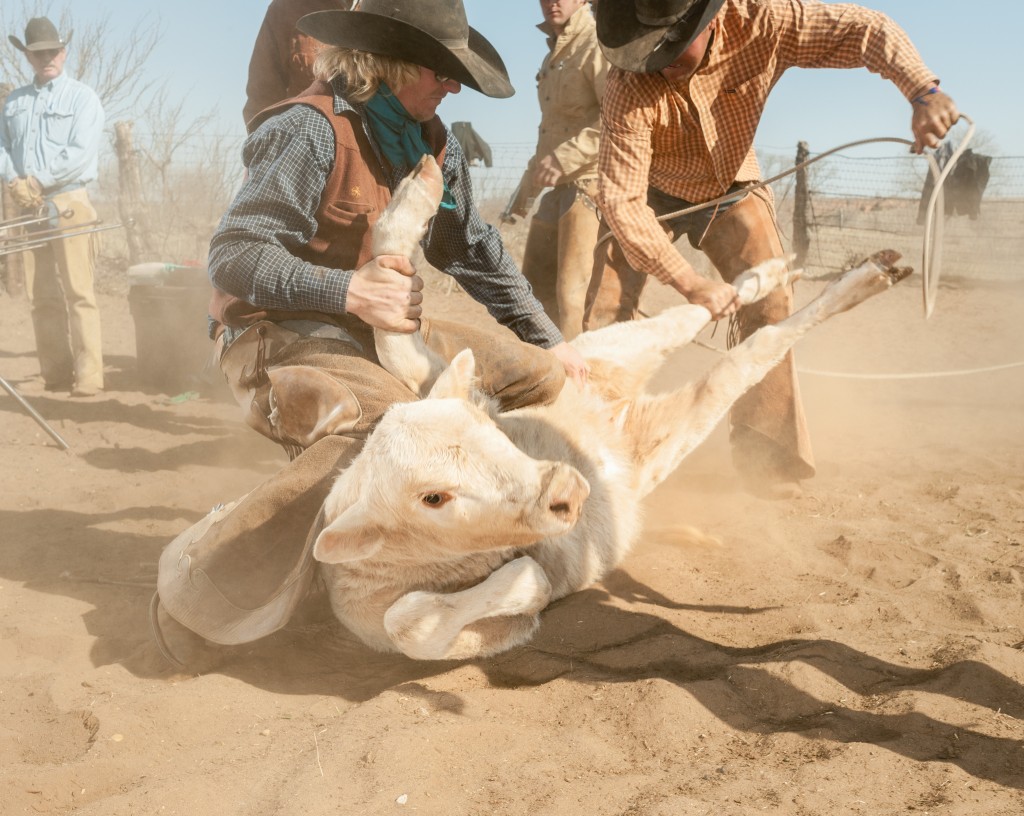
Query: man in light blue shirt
[[50, 134]]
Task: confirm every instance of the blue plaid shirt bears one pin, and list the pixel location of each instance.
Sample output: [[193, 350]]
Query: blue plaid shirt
[[289, 158]]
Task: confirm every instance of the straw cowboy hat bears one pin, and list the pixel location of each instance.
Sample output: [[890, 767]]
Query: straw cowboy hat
[[40, 35], [644, 36], [431, 33]]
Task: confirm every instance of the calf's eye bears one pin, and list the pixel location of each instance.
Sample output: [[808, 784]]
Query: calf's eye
[[436, 499]]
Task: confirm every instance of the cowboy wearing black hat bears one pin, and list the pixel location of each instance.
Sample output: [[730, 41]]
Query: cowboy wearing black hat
[[281, 64], [681, 107], [297, 285], [49, 150]]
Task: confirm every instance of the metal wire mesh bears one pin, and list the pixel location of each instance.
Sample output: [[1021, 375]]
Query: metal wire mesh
[[857, 205]]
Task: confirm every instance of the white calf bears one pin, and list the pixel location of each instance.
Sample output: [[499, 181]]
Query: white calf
[[455, 526]]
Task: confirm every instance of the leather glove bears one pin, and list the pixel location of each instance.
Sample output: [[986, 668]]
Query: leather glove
[[27, 192]]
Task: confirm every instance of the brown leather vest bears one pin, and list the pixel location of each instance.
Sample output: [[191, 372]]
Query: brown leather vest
[[355, 195]]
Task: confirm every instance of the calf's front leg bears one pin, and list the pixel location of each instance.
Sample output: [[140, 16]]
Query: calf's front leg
[[495, 615], [398, 232]]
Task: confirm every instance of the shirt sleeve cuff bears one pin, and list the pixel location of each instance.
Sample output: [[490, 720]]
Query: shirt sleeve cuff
[[342, 280], [914, 83]]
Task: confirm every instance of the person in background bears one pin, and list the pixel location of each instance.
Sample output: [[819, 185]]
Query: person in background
[[298, 291], [282, 57], [560, 244], [49, 150], [680, 111]]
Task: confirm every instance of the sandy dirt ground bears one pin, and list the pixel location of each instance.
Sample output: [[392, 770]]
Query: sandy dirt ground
[[854, 651]]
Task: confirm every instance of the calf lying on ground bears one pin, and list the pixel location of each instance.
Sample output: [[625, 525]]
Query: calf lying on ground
[[455, 526]]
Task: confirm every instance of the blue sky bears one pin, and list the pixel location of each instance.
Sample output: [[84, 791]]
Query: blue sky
[[974, 47]]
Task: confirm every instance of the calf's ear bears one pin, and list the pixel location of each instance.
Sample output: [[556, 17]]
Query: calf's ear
[[350, 537], [458, 380]]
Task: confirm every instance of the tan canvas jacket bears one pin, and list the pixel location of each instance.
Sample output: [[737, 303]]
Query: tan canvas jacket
[[570, 85]]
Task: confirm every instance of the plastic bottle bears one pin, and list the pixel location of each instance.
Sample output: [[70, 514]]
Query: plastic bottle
[[153, 273]]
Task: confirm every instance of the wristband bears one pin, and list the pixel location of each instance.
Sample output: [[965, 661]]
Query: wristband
[[920, 100]]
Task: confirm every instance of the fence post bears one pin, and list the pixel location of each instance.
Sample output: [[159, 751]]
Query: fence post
[[131, 202], [13, 264], [801, 202]]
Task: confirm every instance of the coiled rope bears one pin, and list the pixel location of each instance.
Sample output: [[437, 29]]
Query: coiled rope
[[931, 252], [932, 244]]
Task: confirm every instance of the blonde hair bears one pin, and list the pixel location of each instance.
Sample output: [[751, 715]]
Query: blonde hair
[[364, 72]]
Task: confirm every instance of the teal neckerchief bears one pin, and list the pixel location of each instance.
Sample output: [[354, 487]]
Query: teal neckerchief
[[399, 135]]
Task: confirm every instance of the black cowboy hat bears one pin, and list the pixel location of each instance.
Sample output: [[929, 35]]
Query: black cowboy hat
[[644, 36], [40, 35], [431, 33]]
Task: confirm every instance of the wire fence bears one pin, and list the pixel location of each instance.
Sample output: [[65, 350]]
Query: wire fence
[[859, 205], [186, 184], [856, 206]]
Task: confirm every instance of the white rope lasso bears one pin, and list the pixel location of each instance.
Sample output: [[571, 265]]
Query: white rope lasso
[[814, 372], [921, 376], [932, 247], [931, 250]]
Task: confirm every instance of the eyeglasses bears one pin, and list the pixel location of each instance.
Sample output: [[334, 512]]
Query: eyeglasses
[[441, 79]]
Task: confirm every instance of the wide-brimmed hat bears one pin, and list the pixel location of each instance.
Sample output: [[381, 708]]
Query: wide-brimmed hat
[[431, 33], [40, 35], [644, 36]]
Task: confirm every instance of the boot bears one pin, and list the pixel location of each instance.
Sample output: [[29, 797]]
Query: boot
[[771, 444], [238, 574]]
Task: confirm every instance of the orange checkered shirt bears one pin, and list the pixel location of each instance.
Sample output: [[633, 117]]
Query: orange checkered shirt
[[694, 140]]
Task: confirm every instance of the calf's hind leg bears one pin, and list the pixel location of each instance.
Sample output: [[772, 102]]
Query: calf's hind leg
[[495, 615], [628, 354], [694, 411]]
